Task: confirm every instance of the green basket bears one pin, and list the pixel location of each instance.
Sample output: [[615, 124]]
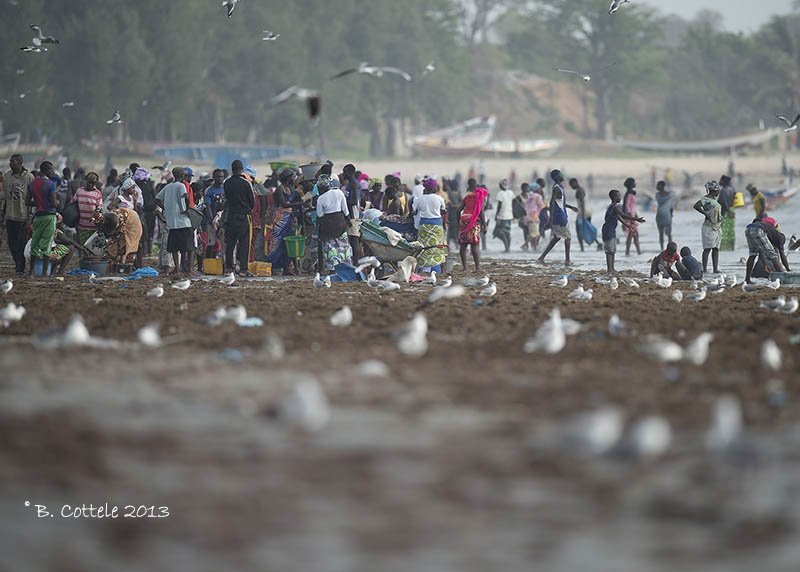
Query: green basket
[[295, 246]]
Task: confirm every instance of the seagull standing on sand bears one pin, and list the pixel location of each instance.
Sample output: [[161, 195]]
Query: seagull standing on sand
[[320, 283], [698, 296], [790, 307], [790, 125], [630, 282], [430, 280], [306, 407], [577, 293], [677, 295], [149, 336], [413, 340], [697, 351], [774, 305], [446, 293], [650, 437], [342, 318], [489, 291], [771, 355], [182, 285], [560, 282], [726, 423], [774, 284], [6, 287], [156, 292], [550, 337], [615, 326], [229, 279], [477, 282]]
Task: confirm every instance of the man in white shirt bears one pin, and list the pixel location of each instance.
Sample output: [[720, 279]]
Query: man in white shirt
[[505, 214]]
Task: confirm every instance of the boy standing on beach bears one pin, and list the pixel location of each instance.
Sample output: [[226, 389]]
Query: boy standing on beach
[[614, 214], [558, 217]]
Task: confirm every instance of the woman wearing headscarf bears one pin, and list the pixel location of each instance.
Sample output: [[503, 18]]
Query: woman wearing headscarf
[[429, 208], [286, 199], [629, 207], [333, 218], [471, 222], [123, 231]]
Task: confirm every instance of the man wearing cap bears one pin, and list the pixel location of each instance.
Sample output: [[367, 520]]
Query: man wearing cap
[[174, 200], [239, 203]]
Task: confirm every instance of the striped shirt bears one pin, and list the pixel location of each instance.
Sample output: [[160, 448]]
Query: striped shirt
[[88, 201]]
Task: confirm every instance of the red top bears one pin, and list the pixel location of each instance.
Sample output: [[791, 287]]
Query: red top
[[190, 193], [670, 259]]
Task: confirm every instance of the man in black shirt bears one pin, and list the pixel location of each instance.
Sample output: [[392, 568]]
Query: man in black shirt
[[239, 203]]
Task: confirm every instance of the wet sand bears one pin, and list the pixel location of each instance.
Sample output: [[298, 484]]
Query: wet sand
[[447, 463]]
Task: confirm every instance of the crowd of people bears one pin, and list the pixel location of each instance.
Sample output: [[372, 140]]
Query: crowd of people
[[237, 219]]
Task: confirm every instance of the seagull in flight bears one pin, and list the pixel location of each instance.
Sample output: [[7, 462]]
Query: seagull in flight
[[373, 71], [39, 38], [790, 125], [68, 104], [586, 77], [230, 5], [163, 167], [116, 118], [269, 36], [430, 68], [310, 96], [615, 4], [33, 49]]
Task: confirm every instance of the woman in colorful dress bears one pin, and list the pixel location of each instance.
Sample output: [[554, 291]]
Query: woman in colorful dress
[[534, 203], [123, 231], [430, 208], [472, 221], [711, 232], [629, 208], [285, 200], [333, 218]]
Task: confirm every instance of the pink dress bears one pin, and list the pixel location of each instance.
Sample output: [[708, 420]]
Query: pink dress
[[630, 208]]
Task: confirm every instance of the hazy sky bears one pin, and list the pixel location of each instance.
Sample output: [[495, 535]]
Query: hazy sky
[[739, 14]]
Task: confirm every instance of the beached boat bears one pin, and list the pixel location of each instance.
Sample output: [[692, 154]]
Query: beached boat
[[461, 139]]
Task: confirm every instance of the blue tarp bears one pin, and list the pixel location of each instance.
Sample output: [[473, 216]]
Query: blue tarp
[[347, 273]]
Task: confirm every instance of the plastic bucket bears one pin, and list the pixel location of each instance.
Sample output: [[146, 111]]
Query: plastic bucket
[[98, 266], [295, 246]]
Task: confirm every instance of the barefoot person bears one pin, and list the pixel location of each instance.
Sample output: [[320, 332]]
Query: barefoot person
[[666, 208], [504, 216], [558, 217], [711, 232], [663, 263], [629, 206], [471, 222], [614, 215]]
